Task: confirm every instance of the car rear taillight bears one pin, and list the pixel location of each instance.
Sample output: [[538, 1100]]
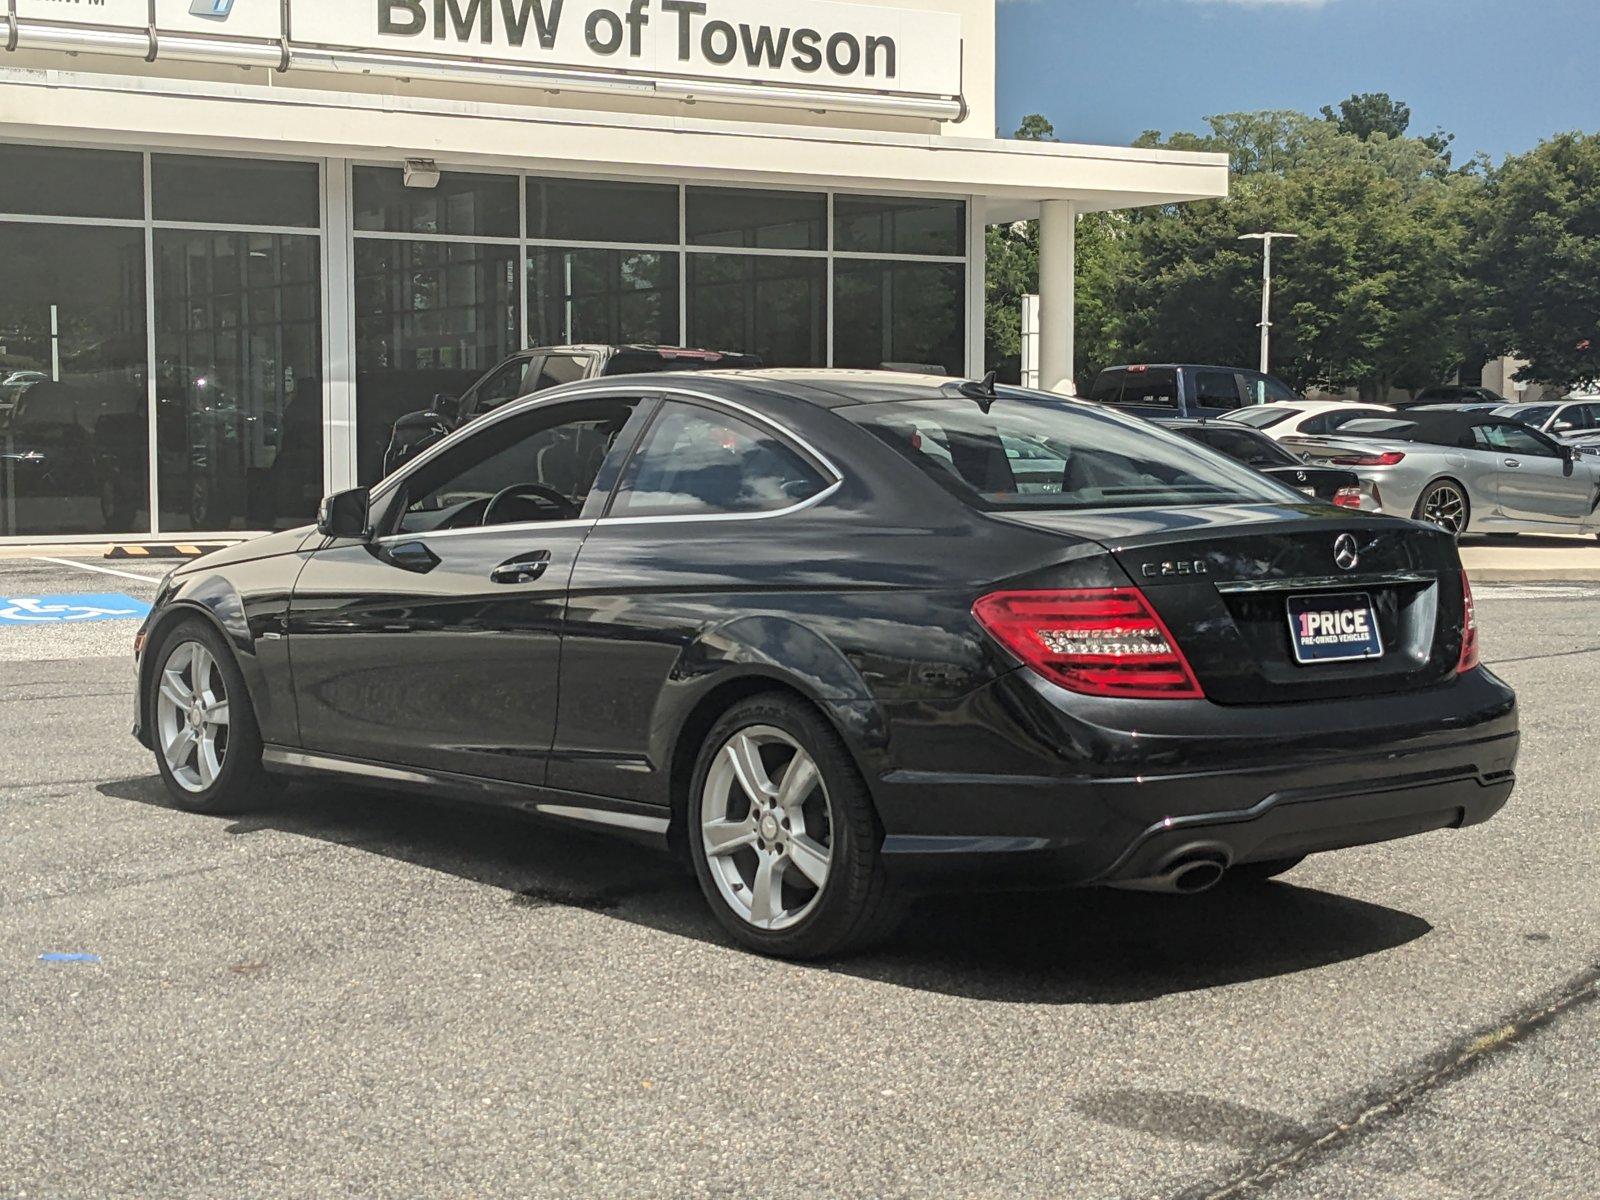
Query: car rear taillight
[[1348, 497], [1391, 458], [1469, 629], [1095, 641]]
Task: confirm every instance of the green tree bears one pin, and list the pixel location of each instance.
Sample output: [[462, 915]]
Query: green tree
[[1369, 113], [1538, 260]]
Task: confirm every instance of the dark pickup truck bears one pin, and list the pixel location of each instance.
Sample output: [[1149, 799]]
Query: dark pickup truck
[[530, 371], [1187, 389]]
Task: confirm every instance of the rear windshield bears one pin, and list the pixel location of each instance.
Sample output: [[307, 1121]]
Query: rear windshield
[[1036, 453], [1261, 418]]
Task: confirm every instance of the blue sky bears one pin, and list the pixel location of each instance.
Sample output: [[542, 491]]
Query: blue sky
[[1500, 74]]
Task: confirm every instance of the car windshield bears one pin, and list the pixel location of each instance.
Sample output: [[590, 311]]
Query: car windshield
[[1528, 416], [1031, 452]]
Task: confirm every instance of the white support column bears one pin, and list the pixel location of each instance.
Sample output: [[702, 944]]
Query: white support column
[[1058, 295], [339, 323]]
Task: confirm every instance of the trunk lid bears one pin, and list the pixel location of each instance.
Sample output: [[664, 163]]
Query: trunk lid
[[1222, 579]]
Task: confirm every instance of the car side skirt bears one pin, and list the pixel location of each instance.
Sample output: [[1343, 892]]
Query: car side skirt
[[645, 823]]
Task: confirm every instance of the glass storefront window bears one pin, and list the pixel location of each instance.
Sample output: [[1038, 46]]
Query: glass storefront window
[[238, 379], [757, 220], [894, 225], [235, 191], [465, 204], [901, 314], [51, 181], [766, 305], [578, 210], [606, 296], [431, 317], [74, 424]]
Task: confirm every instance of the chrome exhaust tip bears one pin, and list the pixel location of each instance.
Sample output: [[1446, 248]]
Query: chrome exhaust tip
[[1188, 874]]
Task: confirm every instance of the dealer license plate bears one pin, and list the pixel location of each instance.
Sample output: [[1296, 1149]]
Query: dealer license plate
[[1334, 628]]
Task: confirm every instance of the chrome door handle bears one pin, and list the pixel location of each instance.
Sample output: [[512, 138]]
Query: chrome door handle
[[1511, 462], [528, 568]]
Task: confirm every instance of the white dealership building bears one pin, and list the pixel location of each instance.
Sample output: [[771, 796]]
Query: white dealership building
[[238, 237]]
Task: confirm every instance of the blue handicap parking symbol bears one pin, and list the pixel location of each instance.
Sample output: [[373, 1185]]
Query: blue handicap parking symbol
[[70, 610]]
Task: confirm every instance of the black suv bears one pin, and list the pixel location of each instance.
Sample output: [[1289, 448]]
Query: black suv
[[1187, 389], [530, 371]]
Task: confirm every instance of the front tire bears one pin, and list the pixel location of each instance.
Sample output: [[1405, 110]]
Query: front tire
[[207, 742], [785, 841]]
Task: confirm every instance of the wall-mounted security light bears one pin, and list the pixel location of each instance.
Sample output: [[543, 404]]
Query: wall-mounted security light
[[422, 173]]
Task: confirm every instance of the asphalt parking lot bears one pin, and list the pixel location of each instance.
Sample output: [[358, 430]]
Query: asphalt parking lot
[[358, 994]]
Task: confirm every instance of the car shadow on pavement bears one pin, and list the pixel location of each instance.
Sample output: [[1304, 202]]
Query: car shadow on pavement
[[1067, 947]]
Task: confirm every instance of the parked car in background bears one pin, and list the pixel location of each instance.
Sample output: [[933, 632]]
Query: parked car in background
[[1564, 420], [811, 637], [530, 371], [1454, 393], [1284, 419], [1465, 472], [1334, 485], [13, 385], [1187, 389]]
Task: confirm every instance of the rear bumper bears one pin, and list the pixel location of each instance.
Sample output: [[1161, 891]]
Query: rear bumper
[[1258, 784]]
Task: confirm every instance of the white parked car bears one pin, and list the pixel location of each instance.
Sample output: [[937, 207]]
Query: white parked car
[[1565, 420], [1305, 418]]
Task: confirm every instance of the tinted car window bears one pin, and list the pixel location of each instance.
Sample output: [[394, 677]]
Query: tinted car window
[[1583, 416], [1531, 416], [1107, 388], [1003, 459], [1153, 389], [1254, 450], [505, 385], [1258, 417], [1277, 391], [1512, 439], [561, 368], [1328, 422], [661, 362], [698, 461], [1216, 389], [560, 450]]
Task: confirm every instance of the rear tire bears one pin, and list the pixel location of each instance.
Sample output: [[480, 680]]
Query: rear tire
[[1444, 503], [1260, 872], [785, 840], [201, 722]]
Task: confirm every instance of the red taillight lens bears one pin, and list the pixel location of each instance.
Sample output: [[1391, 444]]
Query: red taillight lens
[[1348, 497], [1096, 641], [1469, 629], [1391, 458]]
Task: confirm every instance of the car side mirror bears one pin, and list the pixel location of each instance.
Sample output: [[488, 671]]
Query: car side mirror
[[345, 515], [1563, 427]]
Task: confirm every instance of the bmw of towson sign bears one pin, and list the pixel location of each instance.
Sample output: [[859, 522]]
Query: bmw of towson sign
[[803, 43]]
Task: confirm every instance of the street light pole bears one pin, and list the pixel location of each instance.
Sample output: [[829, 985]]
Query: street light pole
[[1266, 290]]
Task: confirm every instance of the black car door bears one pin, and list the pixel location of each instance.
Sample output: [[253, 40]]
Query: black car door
[[671, 561], [436, 642]]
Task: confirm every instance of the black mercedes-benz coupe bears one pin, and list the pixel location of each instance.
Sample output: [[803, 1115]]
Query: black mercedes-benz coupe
[[836, 637]]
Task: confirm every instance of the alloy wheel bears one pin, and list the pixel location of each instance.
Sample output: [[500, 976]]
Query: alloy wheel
[[766, 825], [1446, 507], [192, 720]]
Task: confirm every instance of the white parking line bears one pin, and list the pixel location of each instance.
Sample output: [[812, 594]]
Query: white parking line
[[82, 566]]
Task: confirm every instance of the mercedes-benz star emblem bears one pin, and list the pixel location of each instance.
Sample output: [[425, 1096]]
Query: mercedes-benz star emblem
[[1346, 552]]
